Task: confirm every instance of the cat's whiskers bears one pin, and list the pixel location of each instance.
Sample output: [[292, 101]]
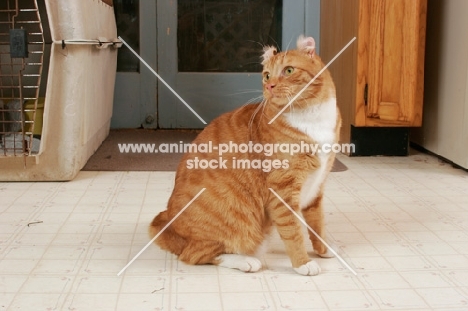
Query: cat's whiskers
[[289, 43], [300, 103], [264, 103], [252, 63], [276, 43], [291, 111], [291, 106], [253, 41], [253, 100], [244, 92], [262, 114], [252, 118], [289, 96]]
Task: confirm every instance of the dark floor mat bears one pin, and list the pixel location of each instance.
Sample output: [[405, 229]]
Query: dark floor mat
[[109, 157]]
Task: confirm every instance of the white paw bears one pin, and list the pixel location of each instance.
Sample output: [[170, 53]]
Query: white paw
[[310, 268], [240, 262]]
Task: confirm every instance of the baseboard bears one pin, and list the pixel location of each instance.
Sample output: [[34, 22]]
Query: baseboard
[[380, 141]]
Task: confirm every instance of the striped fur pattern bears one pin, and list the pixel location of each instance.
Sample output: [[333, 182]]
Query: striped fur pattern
[[228, 222]]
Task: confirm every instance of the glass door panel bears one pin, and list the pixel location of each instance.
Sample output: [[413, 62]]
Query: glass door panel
[[226, 36], [127, 18], [209, 52]]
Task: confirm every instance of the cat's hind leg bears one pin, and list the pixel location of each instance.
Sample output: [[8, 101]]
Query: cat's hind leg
[[213, 252], [200, 252]]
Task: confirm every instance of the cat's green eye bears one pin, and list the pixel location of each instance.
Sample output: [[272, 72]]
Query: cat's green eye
[[266, 76], [288, 70]]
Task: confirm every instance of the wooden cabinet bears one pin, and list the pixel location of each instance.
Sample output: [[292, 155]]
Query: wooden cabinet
[[379, 79]]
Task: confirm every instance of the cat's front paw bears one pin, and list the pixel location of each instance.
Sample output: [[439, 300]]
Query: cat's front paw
[[310, 268], [240, 262]]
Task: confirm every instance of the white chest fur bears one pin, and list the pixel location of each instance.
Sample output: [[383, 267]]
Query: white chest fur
[[319, 123], [311, 186]]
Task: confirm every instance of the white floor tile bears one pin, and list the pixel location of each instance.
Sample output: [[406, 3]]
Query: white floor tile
[[399, 299], [401, 223]]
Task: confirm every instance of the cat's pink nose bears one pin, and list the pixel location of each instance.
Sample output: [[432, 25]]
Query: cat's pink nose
[[270, 86]]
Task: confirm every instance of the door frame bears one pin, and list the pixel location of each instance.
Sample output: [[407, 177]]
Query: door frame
[[135, 94]]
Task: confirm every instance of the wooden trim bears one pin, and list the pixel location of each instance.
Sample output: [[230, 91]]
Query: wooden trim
[[338, 25], [108, 2], [376, 57], [362, 64], [412, 89]]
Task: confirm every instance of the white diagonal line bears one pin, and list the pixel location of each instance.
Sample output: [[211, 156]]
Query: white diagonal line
[[312, 81], [160, 232], [162, 80], [315, 233]]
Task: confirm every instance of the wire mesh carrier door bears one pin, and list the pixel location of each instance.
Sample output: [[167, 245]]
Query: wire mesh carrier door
[[21, 62]]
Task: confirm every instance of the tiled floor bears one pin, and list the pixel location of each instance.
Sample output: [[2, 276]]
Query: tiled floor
[[401, 223]]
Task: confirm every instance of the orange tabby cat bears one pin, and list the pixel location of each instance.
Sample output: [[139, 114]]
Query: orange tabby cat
[[227, 223]]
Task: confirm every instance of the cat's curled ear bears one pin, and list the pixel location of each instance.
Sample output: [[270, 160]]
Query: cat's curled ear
[[306, 45], [268, 52]]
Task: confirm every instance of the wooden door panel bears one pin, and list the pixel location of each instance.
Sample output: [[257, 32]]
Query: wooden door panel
[[395, 62]]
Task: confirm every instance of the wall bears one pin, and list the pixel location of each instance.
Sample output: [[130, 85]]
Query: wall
[[445, 121]]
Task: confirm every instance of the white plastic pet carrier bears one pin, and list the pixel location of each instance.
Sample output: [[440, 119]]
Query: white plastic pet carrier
[[58, 65]]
